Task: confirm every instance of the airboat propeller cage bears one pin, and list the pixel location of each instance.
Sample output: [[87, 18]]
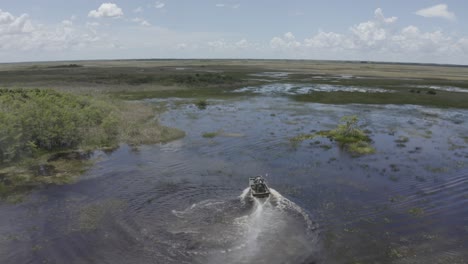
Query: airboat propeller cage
[[258, 187]]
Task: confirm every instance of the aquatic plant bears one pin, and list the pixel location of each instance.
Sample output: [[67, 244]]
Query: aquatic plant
[[209, 134], [402, 139], [361, 148], [301, 137], [201, 104], [416, 211], [347, 134]]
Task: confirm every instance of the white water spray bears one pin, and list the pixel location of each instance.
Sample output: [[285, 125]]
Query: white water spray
[[246, 229]]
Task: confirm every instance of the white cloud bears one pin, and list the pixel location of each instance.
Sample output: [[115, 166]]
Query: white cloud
[[437, 11], [218, 44], [379, 16], [462, 44], [222, 45], [10, 24], [67, 23], [106, 10], [288, 41], [18, 35], [328, 40], [138, 10], [411, 40], [92, 24], [159, 5], [379, 38], [181, 46], [374, 32], [232, 6], [242, 44], [141, 21], [376, 39]]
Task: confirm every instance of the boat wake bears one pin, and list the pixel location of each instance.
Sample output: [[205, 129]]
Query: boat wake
[[247, 230]]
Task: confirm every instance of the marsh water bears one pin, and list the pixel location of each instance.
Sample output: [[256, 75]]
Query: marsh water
[[186, 201]]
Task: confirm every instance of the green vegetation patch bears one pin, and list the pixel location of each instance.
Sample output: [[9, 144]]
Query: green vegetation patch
[[465, 139], [46, 136], [402, 140], [138, 125], [71, 65], [35, 121], [443, 99], [347, 134], [209, 134], [416, 211], [201, 104]]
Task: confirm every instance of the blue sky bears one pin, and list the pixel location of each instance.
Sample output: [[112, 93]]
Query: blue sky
[[407, 31]]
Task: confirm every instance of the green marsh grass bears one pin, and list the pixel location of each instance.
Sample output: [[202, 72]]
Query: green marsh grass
[[210, 134], [201, 104]]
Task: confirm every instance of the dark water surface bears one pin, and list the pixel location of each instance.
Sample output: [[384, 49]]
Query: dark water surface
[[186, 201]]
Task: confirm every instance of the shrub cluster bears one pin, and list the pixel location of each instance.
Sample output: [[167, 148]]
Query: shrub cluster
[[199, 79], [43, 120]]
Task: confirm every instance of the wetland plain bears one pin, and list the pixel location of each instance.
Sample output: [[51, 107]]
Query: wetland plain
[[182, 198]]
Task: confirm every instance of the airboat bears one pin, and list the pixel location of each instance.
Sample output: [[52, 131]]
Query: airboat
[[258, 187]]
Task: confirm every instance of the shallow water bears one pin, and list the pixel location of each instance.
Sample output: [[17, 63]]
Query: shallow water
[[297, 89], [186, 202]]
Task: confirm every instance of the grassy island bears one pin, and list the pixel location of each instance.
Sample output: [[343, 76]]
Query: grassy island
[[348, 136]]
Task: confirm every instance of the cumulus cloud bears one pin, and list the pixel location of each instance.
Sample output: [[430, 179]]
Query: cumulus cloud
[[141, 21], [232, 6], [222, 45], [106, 10], [379, 16], [18, 33], [218, 44], [287, 41], [159, 5], [92, 24], [411, 40], [436, 11], [377, 38], [372, 33], [242, 44], [67, 23], [138, 10], [367, 34], [181, 46], [328, 40], [10, 24]]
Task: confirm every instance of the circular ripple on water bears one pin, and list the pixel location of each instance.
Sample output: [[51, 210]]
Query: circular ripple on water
[[237, 230]]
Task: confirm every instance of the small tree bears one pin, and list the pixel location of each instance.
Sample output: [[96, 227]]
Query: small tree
[[347, 134], [349, 129]]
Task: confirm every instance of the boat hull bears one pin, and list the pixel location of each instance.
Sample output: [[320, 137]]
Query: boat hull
[[258, 187]]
